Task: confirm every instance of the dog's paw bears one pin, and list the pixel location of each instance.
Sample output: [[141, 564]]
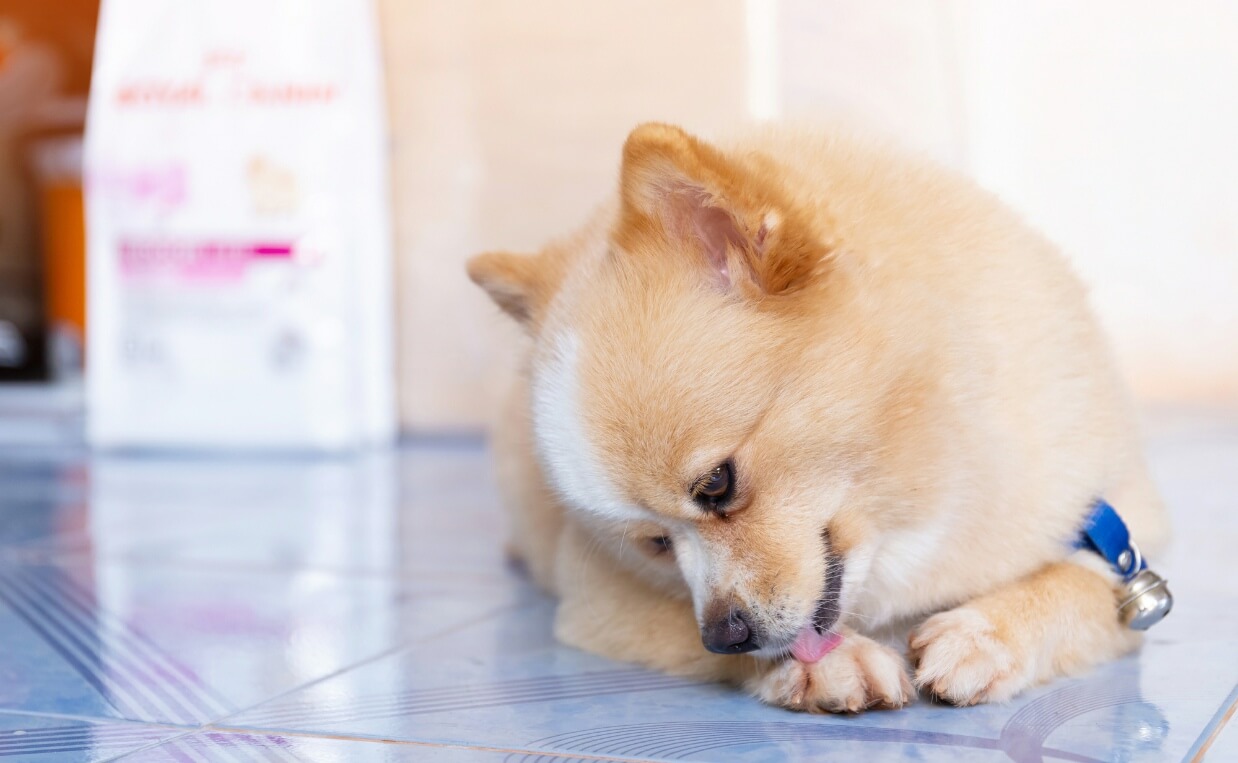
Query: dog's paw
[[960, 657], [858, 675]]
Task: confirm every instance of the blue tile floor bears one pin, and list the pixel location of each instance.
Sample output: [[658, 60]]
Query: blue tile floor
[[306, 609]]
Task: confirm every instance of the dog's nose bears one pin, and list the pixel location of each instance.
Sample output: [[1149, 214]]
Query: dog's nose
[[728, 633]]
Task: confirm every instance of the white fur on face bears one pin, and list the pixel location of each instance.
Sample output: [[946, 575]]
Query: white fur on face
[[693, 560], [713, 572], [562, 439]]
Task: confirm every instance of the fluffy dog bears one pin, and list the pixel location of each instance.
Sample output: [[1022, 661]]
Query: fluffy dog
[[787, 393]]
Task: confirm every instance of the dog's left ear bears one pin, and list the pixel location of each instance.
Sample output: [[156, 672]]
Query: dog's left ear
[[677, 187]]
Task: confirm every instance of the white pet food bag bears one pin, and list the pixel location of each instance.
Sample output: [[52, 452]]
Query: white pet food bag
[[238, 227]]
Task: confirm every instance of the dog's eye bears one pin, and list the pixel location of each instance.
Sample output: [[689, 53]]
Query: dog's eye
[[660, 544], [714, 489]]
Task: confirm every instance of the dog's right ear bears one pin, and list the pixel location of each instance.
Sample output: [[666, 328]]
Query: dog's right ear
[[749, 236], [518, 283]]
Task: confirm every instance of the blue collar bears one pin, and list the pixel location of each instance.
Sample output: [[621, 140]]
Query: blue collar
[[1105, 533]]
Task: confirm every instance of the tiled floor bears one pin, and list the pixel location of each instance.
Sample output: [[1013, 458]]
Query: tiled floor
[[159, 608]]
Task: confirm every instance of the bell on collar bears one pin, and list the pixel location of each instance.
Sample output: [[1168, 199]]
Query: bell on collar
[[1145, 601]]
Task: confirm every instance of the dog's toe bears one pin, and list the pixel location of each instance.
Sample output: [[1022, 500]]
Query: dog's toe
[[959, 657], [858, 675]]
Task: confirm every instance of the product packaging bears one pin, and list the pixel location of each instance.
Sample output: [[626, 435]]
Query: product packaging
[[238, 231]]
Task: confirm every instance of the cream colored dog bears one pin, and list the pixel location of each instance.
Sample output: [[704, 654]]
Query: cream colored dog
[[785, 394]]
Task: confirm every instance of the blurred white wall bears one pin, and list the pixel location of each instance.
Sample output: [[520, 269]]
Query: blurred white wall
[[1113, 126], [1109, 125], [507, 120]]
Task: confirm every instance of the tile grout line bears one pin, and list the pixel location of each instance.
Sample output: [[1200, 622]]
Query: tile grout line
[[97, 719], [187, 731], [215, 725], [153, 745], [390, 651], [420, 743], [1215, 726]]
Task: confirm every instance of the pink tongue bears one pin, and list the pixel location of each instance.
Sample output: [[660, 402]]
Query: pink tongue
[[810, 646]]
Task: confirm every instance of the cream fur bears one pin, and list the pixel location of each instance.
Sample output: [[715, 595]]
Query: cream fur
[[885, 352]]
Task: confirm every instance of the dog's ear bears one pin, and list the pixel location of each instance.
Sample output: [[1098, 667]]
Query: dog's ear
[[518, 283], [683, 189]]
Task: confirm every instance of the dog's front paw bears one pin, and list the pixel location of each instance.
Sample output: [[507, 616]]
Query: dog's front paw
[[959, 656], [859, 674]]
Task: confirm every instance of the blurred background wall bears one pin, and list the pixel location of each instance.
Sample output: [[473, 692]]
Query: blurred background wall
[[1110, 125]]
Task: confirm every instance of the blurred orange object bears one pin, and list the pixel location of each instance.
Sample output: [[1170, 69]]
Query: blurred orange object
[[58, 163]]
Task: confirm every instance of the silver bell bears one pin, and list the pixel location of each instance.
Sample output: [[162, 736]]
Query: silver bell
[[1145, 601]]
